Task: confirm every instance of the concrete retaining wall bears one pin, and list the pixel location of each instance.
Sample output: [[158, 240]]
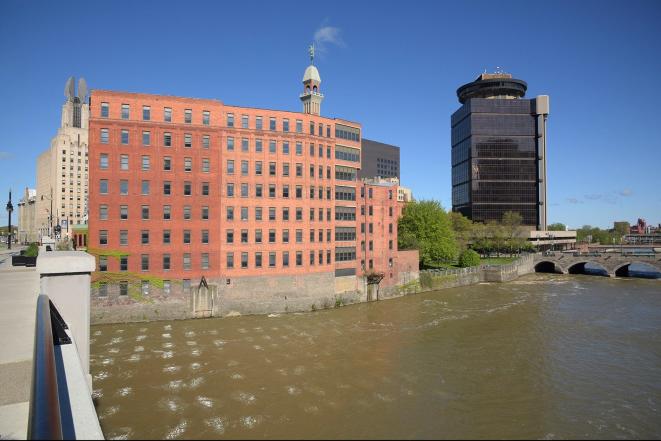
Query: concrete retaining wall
[[281, 294]]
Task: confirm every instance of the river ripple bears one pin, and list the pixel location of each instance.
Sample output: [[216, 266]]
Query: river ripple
[[543, 357]]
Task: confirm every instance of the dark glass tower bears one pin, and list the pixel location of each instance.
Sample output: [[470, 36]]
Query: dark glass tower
[[499, 151]]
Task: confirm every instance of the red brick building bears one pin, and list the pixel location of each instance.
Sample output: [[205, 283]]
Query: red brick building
[[182, 188]]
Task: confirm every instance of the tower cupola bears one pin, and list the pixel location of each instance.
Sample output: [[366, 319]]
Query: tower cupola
[[311, 96]]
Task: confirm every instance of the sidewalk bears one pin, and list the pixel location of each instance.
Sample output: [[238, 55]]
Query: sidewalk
[[19, 287]]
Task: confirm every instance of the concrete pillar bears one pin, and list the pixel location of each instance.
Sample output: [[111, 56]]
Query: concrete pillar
[[65, 277]]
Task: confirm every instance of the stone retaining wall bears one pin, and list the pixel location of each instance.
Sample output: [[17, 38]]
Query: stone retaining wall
[[282, 294]]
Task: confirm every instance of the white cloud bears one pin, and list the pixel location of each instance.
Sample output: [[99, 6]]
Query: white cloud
[[327, 35], [626, 192]]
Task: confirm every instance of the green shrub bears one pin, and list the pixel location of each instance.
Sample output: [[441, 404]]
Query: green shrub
[[469, 258], [32, 251]]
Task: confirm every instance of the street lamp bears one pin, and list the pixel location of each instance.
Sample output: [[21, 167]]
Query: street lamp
[[10, 208]]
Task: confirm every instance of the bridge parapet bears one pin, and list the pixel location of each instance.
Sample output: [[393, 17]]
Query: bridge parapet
[[610, 262]]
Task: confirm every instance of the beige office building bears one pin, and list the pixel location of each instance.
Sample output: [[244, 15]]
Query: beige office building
[[62, 170]]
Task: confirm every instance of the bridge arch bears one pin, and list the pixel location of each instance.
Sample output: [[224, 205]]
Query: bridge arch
[[622, 270], [579, 267], [548, 266]]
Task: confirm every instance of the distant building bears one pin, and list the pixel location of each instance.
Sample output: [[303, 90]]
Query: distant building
[[62, 170], [378, 160], [499, 151], [639, 228], [27, 230]]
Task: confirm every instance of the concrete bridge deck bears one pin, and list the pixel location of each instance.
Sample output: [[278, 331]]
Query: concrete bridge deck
[[614, 264]]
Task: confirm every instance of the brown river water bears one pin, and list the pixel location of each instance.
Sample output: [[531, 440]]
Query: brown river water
[[546, 356]]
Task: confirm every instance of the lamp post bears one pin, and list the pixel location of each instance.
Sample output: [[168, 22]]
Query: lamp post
[[10, 208]]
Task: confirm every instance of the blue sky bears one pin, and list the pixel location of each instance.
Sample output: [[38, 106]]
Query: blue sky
[[394, 67]]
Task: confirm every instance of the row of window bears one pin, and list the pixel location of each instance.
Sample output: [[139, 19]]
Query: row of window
[[315, 257], [188, 141], [104, 187], [145, 163], [229, 121]]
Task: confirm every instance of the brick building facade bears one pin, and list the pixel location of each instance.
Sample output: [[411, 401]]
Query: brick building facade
[[182, 188]]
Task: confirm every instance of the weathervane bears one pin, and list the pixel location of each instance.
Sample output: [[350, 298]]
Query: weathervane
[[311, 52]]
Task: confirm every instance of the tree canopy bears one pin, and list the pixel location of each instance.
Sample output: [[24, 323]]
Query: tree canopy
[[426, 226]]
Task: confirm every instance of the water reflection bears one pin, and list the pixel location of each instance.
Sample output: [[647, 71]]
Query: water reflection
[[545, 356]]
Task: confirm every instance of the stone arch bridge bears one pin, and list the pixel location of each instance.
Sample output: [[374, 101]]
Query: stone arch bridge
[[615, 264]]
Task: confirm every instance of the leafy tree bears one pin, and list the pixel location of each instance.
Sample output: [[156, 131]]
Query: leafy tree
[[469, 258], [621, 228], [557, 227], [426, 226], [462, 227]]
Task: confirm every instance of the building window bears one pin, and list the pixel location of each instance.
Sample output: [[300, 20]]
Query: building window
[[244, 213], [244, 121], [144, 237], [125, 111], [167, 139], [145, 187], [205, 261], [103, 186], [230, 213], [167, 114], [230, 144], [244, 168], [244, 260], [230, 189], [187, 188], [258, 123], [124, 263], [206, 116], [187, 261], [271, 213], [230, 120], [167, 163], [187, 212], [166, 261], [258, 260], [188, 164], [285, 259], [146, 138], [146, 113], [145, 212], [258, 190], [230, 260], [124, 162], [285, 125], [272, 124], [144, 264], [271, 236], [167, 188], [271, 190], [244, 190], [188, 116], [104, 110], [258, 236], [123, 237], [206, 141], [188, 140], [125, 137], [258, 213], [271, 260], [103, 161], [299, 126], [104, 137], [103, 263], [272, 147], [166, 237], [205, 189], [123, 212], [205, 213], [187, 237], [123, 288], [299, 214], [299, 258], [258, 145], [145, 163]]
